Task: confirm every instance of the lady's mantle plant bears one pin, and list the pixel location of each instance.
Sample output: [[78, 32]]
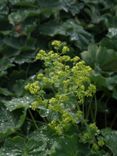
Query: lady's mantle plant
[[61, 90]]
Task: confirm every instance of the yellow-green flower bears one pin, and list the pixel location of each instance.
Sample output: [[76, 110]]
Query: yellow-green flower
[[33, 87], [65, 49], [40, 55], [56, 44]]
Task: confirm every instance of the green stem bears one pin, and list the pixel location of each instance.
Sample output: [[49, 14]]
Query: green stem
[[88, 109], [113, 121], [95, 109], [33, 120]]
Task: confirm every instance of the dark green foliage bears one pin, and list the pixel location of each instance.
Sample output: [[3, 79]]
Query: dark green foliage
[[90, 29]]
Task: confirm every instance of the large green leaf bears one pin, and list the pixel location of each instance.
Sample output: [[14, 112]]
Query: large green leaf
[[10, 122], [13, 147], [28, 3], [66, 5], [44, 144], [105, 83], [35, 144], [109, 43], [111, 140], [69, 28], [20, 16], [5, 63], [25, 27], [5, 92], [69, 146], [104, 62], [101, 58], [16, 103]]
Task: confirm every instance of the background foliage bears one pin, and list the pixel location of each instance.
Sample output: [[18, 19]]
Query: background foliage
[[90, 29]]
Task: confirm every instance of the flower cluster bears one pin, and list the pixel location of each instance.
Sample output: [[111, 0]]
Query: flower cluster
[[90, 136], [60, 45], [61, 89], [33, 87]]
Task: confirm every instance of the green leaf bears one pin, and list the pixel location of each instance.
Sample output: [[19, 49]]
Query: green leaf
[[109, 43], [69, 28], [5, 92], [10, 122], [25, 57], [69, 146], [18, 88], [111, 140], [72, 6], [42, 143], [101, 58], [16, 103], [35, 144], [90, 55], [13, 42], [5, 63], [21, 15], [99, 80], [13, 147], [111, 82], [49, 4], [28, 3]]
